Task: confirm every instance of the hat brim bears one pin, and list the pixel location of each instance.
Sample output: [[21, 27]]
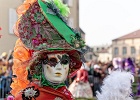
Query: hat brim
[[63, 29]]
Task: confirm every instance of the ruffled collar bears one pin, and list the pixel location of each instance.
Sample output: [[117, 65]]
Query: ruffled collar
[[45, 82]]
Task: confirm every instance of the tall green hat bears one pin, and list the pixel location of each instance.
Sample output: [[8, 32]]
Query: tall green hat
[[43, 27]]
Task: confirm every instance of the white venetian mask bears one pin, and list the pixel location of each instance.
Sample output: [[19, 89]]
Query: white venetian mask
[[56, 67]]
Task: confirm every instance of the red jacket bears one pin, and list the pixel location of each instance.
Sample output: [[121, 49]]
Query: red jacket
[[82, 75], [48, 93]]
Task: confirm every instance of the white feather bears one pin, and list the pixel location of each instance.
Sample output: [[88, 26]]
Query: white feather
[[116, 86]]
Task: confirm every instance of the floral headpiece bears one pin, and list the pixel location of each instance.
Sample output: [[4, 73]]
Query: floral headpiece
[[43, 26]]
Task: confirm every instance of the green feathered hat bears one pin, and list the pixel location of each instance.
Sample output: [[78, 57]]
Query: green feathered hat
[[43, 27]]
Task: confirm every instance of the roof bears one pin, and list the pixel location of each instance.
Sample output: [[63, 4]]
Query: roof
[[135, 34]]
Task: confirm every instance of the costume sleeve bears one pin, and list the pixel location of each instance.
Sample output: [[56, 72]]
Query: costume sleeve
[[78, 75], [21, 56], [84, 75], [81, 75]]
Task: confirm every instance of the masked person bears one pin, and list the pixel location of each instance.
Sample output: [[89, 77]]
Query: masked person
[[80, 87], [46, 53]]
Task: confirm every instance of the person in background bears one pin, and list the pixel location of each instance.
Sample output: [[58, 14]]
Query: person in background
[[9, 67], [115, 63], [5, 77], [109, 67], [3, 67], [129, 65], [4, 55], [137, 75], [97, 78], [80, 87], [91, 75], [1, 64]]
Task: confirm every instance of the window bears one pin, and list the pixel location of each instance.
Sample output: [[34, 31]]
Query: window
[[116, 51], [12, 19], [133, 51], [124, 51]]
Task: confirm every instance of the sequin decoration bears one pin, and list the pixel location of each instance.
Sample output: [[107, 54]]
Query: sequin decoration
[[30, 93]]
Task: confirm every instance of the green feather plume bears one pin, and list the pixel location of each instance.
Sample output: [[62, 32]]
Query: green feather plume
[[64, 9]]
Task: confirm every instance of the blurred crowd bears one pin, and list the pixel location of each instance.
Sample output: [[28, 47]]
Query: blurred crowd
[[97, 71], [6, 63]]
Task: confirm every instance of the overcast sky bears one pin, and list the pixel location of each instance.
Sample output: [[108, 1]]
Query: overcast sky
[[105, 20]]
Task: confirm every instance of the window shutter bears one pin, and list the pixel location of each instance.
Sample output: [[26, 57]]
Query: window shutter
[[12, 19]]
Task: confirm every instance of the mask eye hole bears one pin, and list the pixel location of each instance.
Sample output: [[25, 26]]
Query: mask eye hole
[[50, 61], [53, 60], [65, 59], [65, 62]]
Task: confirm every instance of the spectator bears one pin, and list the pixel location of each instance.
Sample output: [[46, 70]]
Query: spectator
[[4, 55], [129, 65], [97, 78], [80, 87]]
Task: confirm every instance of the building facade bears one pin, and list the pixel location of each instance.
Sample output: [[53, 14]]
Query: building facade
[[73, 19], [8, 17], [127, 46], [103, 52]]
